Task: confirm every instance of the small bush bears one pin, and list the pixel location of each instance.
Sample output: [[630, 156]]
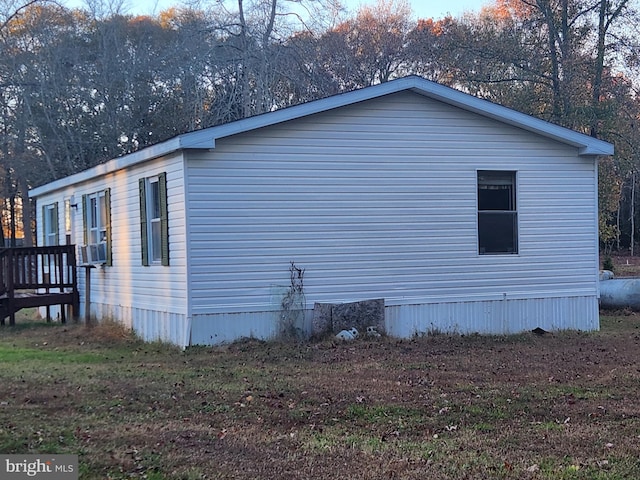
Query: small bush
[[111, 331], [293, 306]]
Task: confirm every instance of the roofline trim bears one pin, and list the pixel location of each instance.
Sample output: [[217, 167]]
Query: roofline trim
[[206, 138]]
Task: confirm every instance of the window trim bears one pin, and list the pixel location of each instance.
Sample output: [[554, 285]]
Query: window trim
[[51, 228], [511, 211], [146, 222]]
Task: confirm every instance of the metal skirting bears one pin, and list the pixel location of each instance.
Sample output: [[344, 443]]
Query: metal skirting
[[494, 317], [489, 317], [149, 325]]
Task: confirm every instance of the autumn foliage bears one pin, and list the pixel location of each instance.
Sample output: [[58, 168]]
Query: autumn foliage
[[86, 85]]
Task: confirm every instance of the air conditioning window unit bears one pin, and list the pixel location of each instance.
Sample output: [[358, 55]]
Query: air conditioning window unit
[[93, 254]]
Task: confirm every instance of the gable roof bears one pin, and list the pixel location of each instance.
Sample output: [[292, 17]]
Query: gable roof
[[206, 138]]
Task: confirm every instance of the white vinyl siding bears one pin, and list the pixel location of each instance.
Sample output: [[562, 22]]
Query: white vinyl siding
[[127, 286], [378, 200], [130, 282]]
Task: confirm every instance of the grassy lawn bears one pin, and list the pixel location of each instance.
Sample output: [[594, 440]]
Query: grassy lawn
[[558, 406]]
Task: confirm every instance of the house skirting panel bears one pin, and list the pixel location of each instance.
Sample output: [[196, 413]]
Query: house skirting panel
[[149, 325], [490, 317], [493, 317], [212, 329]]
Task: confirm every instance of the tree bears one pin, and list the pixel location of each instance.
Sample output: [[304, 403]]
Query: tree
[[369, 49], [430, 51], [255, 36], [19, 155], [609, 15], [80, 87]]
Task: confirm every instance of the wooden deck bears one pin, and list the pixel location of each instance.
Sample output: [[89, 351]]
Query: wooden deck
[[38, 277]]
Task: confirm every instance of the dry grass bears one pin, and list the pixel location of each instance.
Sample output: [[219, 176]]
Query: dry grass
[[624, 265], [561, 406]]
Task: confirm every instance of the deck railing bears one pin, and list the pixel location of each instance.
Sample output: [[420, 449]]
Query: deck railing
[[37, 276]]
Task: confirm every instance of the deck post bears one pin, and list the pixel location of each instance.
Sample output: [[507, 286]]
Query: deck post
[[11, 286], [87, 294]]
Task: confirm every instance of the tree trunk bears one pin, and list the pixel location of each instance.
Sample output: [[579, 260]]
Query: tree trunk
[[605, 19], [12, 217], [618, 227], [244, 67], [633, 212], [554, 55], [27, 213]]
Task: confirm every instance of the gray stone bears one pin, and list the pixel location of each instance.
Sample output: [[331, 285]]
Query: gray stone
[[359, 315], [321, 323]]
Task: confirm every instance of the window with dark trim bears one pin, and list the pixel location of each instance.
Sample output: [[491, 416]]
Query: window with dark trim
[[50, 221], [497, 213], [154, 225], [96, 221]]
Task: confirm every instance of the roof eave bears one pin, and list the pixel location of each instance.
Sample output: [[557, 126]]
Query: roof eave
[[587, 146], [206, 138], [148, 153]]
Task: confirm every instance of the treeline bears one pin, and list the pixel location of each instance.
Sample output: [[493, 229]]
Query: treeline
[[81, 86]]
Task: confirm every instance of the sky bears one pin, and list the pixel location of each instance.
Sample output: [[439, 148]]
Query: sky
[[421, 8]]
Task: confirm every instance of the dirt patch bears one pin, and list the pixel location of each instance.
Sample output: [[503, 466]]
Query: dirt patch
[[624, 265], [448, 407]]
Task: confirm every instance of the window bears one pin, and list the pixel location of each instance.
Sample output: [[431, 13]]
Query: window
[[497, 215], [67, 220], [96, 212], [67, 216], [50, 219], [154, 226], [96, 219]]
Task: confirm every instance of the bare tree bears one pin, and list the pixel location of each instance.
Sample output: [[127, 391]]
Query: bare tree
[[371, 48], [256, 37]]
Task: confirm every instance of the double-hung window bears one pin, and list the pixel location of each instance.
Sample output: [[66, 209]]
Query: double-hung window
[[497, 213], [154, 227], [96, 212], [50, 219], [97, 225]]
